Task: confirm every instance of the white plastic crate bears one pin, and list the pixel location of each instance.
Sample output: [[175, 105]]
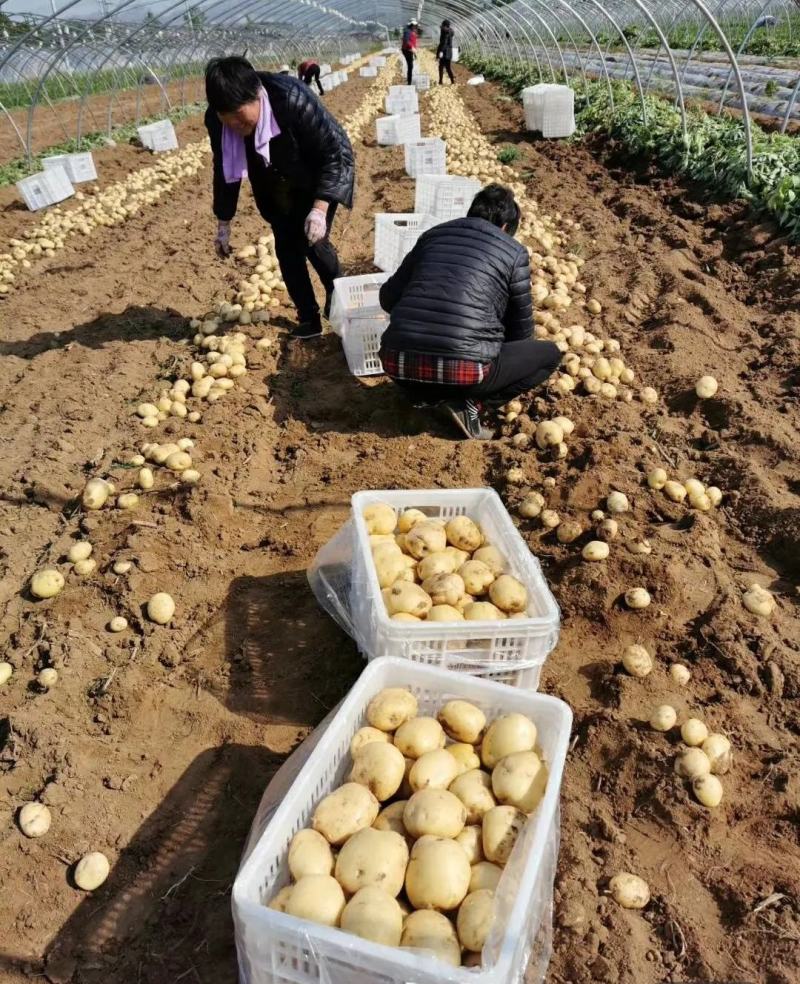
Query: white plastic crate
[[426, 156], [402, 99], [276, 948], [361, 341], [358, 318], [447, 196], [421, 82], [378, 61], [45, 188], [549, 109], [79, 167], [511, 650], [397, 129], [324, 69], [367, 72], [395, 235], [328, 83], [159, 136], [455, 54]]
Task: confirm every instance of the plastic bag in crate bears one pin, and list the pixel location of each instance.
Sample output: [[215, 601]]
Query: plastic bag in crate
[[425, 156], [447, 196]]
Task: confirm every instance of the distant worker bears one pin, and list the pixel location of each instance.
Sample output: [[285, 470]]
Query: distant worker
[[409, 48], [284, 70], [461, 316], [308, 71], [268, 127], [445, 52]]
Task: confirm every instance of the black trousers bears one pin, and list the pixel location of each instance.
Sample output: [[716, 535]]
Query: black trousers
[[409, 57], [294, 254], [445, 66], [520, 366], [312, 75]]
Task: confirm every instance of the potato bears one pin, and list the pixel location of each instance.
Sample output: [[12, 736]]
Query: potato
[[81, 550], [532, 505], [47, 583], [629, 891], [279, 902], [694, 732], [718, 749], [380, 518], [373, 857], [380, 767], [492, 558], [344, 812], [366, 735], [508, 594], [475, 918], [160, 608], [482, 611], [34, 819], [474, 790], [410, 598], [434, 811], [418, 736], [444, 613], [434, 770], [389, 568], [459, 557], [476, 577], [95, 493], [374, 914], [692, 763], [309, 854], [318, 898], [502, 826], [435, 564], [438, 875], [706, 387], [471, 840], [47, 678], [506, 735], [637, 598], [444, 589], [484, 875], [464, 534], [462, 721], [595, 550], [425, 538], [390, 708], [680, 674], [409, 519], [519, 780], [405, 617], [391, 818], [465, 755], [6, 672], [91, 871], [84, 567], [434, 933], [637, 661], [663, 718]]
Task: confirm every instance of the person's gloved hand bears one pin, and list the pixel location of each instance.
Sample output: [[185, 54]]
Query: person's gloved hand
[[222, 241], [316, 227]]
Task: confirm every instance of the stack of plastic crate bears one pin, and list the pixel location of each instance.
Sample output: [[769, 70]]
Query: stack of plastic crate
[[357, 316]]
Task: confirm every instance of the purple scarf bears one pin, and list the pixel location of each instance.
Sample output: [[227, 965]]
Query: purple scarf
[[234, 156]]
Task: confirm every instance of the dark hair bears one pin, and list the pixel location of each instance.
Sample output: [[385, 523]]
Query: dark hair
[[230, 83], [497, 205], [445, 23]]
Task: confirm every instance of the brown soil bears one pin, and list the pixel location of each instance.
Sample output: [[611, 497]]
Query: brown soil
[[156, 744]]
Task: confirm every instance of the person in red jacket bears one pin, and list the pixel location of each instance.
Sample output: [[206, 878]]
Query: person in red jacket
[[308, 71], [409, 47]]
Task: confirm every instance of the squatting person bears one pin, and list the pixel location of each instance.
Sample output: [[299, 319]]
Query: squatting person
[[270, 128], [308, 71], [461, 318], [444, 52]]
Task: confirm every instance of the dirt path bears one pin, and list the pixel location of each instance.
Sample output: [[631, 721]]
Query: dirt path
[[155, 747]]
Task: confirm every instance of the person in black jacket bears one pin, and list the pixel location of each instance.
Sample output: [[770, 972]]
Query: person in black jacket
[[271, 128], [461, 317], [445, 52]]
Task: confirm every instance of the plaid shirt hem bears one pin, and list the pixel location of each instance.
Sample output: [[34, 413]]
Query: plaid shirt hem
[[419, 368]]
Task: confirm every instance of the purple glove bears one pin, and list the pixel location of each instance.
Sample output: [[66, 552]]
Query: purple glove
[[316, 227], [222, 242]]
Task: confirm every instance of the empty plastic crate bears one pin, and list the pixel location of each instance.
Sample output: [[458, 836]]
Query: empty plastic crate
[[378, 61], [367, 72], [327, 82], [45, 188], [421, 82], [426, 156], [447, 196], [159, 136], [402, 99], [358, 318], [455, 54], [276, 948], [511, 650], [397, 129], [549, 109], [324, 69], [79, 167], [395, 235]]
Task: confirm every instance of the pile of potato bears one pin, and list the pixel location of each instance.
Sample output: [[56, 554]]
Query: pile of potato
[[373, 102], [256, 293], [409, 851], [699, 496], [705, 756], [548, 436], [438, 571]]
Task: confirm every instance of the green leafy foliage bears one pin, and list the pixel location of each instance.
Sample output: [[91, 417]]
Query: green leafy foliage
[[508, 155]]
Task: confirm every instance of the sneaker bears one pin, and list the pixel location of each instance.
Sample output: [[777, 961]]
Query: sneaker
[[466, 416], [306, 330]]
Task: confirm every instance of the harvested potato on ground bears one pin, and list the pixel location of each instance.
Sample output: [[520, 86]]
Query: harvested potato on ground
[[475, 918], [502, 826], [418, 736], [6, 672], [464, 534], [434, 811], [438, 875], [410, 518], [474, 790], [707, 790], [471, 840], [47, 583], [380, 518], [391, 818], [309, 854], [366, 735], [663, 718], [409, 598], [47, 678], [81, 550], [373, 857], [425, 538], [680, 674], [507, 734], [692, 763], [444, 589], [519, 780], [434, 933], [160, 608], [465, 755], [629, 891], [491, 557], [508, 594], [91, 871], [34, 819], [318, 898], [344, 812], [484, 875], [390, 708], [532, 505], [718, 749], [462, 721], [637, 598], [596, 550], [568, 532], [476, 577], [637, 661], [380, 767], [374, 914], [694, 732]]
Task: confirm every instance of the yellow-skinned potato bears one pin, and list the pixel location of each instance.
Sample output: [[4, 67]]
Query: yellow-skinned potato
[[391, 818], [374, 914], [434, 770], [418, 736], [475, 918], [474, 790], [444, 589], [425, 538], [508, 594], [318, 898], [404, 617], [492, 557], [405, 790], [435, 564], [390, 708], [459, 557], [501, 827], [344, 812], [389, 568], [484, 875], [366, 735], [471, 839], [309, 854], [436, 812], [519, 780], [508, 734], [434, 933], [444, 613], [464, 534], [476, 577], [410, 518], [373, 857], [410, 598], [465, 755], [462, 721], [280, 901], [482, 611], [380, 518], [438, 875], [380, 767]]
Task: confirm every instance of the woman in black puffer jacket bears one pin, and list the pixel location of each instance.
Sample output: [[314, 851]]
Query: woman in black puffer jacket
[[461, 318], [300, 164]]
